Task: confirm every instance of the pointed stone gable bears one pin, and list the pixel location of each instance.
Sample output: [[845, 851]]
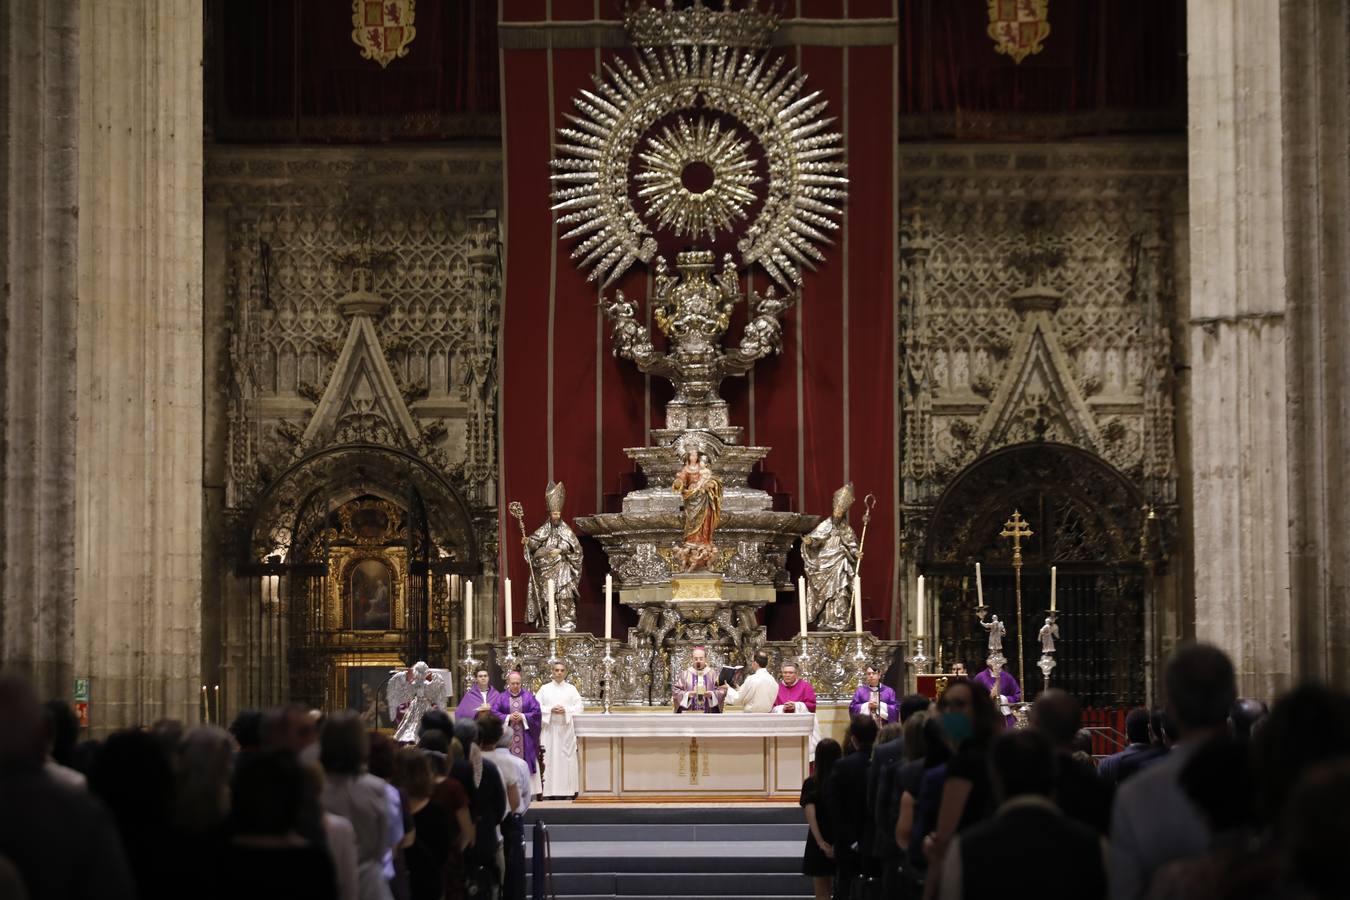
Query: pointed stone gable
[[1039, 385], [362, 402]]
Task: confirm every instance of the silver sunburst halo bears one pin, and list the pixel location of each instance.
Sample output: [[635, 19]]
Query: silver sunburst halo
[[666, 161], [803, 160]]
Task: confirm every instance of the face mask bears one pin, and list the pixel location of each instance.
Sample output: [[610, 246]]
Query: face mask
[[957, 725]]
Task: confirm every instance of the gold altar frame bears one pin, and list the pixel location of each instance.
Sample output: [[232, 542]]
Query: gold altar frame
[[341, 560]]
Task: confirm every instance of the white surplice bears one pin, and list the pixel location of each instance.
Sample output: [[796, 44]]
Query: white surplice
[[756, 694], [558, 735]]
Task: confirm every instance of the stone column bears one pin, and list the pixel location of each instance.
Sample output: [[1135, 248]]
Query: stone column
[[39, 115], [138, 471], [1269, 410], [1316, 126], [1237, 338]]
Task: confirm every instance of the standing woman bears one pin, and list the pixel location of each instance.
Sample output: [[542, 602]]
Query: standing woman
[[818, 857]]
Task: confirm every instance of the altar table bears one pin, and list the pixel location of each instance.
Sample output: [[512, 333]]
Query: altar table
[[684, 756]]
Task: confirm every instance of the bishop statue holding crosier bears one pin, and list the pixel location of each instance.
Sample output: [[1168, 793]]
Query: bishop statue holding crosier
[[830, 561], [554, 554]]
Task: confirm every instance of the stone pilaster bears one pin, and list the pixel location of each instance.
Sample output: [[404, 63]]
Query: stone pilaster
[[1238, 341], [1315, 39], [39, 72], [138, 472]]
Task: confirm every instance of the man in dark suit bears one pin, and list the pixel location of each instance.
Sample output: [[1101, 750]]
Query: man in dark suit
[[1136, 731], [887, 757], [1029, 837], [1078, 790], [848, 799]]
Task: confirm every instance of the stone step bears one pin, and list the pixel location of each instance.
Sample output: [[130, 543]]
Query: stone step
[[684, 884], [674, 833]]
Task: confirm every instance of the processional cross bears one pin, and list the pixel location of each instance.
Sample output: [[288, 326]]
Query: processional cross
[[1017, 529]]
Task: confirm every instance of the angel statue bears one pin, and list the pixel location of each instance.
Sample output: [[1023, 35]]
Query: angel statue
[[701, 491], [554, 554], [830, 560], [1049, 631], [412, 692], [996, 631]]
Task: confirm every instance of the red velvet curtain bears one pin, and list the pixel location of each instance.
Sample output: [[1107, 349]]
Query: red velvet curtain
[[1101, 54], [289, 69], [827, 405]]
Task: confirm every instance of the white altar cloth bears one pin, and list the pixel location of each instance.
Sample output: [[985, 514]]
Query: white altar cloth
[[641, 756]]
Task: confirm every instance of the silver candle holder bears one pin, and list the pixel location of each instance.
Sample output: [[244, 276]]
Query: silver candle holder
[[919, 660], [607, 664], [468, 664]]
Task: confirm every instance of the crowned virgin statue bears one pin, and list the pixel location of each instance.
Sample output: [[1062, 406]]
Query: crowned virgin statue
[[701, 491]]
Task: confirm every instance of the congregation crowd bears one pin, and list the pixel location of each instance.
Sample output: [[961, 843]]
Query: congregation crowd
[[287, 804], [1213, 797]]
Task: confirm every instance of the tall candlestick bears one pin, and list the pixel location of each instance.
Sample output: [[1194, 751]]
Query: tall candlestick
[[609, 598], [979, 585], [857, 604], [509, 617], [468, 610], [920, 619], [552, 613], [801, 602], [1053, 570]]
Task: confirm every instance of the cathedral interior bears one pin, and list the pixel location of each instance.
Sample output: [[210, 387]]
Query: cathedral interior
[[292, 318]]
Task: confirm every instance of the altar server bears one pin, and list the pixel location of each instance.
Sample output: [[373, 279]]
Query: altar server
[[872, 698], [478, 698], [696, 687], [561, 704], [519, 708], [759, 690]]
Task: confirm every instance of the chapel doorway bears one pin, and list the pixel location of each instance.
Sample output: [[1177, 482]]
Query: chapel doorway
[[1088, 522], [359, 550]]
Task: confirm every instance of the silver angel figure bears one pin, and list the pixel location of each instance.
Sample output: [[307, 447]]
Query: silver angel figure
[[419, 689], [1049, 631], [996, 631], [830, 557], [555, 553]]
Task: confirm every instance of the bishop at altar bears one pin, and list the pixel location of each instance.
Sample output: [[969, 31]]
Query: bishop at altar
[[560, 704], [696, 688], [519, 708]]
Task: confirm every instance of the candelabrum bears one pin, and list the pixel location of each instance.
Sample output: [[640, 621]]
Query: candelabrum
[[858, 653], [919, 661], [468, 664], [553, 654], [607, 663], [803, 657], [509, 660], [1045, 664]]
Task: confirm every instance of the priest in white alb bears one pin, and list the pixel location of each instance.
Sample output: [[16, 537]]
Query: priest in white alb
[[561, 704], [759, 691]]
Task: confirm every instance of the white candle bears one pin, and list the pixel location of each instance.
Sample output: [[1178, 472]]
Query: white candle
[[609, 596], [801, 602], [509, 617], [552, 613], [979, 585], [1052, 588], [857, 604], [920, 620], [468, 610]]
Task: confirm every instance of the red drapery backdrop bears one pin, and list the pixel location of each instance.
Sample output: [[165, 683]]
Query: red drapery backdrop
[[827, 406]]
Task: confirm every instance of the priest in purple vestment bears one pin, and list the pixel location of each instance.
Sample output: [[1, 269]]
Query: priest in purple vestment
[[872, 698], [1008, 693], [478, 698], [696, 688], [795, 695], [518, 708]]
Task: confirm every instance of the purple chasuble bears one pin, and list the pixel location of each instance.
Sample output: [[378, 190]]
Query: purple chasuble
[[468, 706], [865, 695], [524, 741], [698, 703], [1007, 686]]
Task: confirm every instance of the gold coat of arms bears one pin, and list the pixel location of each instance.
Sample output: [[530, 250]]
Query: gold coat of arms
[[1019, 27], [383, 29]]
